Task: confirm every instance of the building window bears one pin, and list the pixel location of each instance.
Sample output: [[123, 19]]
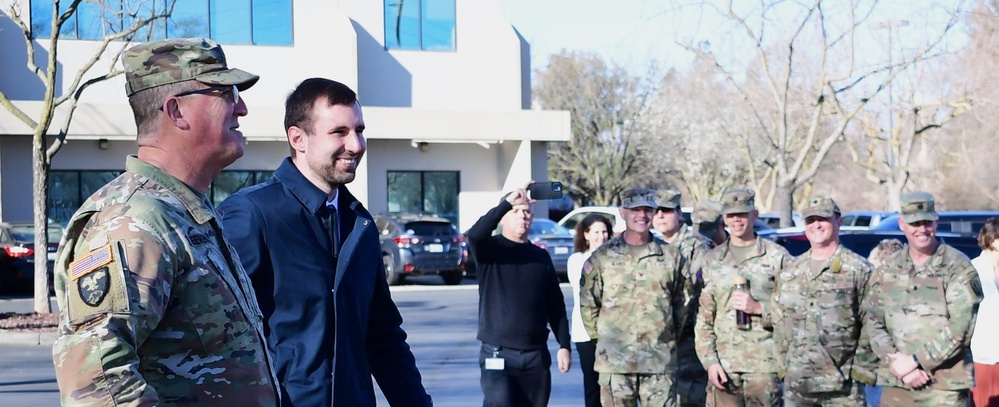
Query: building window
[[228, 182], [431, 192], [420, 25], [252, 22], [69, 189]]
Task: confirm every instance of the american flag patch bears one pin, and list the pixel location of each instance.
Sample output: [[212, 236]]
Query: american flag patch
[[91, 262]]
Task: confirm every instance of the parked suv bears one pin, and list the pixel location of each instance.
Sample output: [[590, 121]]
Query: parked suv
[[967, 223], [864, 220], [416, 244]]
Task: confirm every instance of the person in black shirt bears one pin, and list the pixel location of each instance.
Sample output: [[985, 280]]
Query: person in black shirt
[[519, 297]]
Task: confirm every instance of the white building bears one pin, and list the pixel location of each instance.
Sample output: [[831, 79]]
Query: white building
[[445, 87]]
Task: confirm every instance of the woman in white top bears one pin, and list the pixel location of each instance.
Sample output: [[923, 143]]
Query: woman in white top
[[986, 335], [591, 232]]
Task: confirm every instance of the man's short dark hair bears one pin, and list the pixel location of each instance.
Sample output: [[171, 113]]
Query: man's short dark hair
[[298, 106]]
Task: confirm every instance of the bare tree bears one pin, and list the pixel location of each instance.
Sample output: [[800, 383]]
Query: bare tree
[[974, 135], [806, 81], [689, 141], [117, 36], [887, 158], [606, 103]]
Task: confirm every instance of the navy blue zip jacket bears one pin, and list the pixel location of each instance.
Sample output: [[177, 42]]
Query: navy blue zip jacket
[[328, 332]]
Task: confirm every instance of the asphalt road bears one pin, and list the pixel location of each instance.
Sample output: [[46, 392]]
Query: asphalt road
[[440, 320]]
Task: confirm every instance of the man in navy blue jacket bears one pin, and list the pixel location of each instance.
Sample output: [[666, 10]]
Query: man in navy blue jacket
[[312, 253]]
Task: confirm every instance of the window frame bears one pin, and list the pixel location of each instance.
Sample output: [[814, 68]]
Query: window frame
[[423, 40], [423, 192], [41, 22]]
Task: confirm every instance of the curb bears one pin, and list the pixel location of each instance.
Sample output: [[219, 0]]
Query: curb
[[8, 337]]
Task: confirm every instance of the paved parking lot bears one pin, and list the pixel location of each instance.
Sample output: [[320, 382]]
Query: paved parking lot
[[440, 320]]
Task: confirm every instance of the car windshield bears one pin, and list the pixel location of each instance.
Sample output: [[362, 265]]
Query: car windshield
[[430, 228], [26, 233], [545, 227]]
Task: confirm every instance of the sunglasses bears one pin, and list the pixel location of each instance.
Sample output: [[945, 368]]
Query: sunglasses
[[233, 90]]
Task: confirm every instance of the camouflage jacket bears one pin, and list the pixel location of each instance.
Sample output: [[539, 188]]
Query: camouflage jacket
[[928, 311], [692, 246], [627, 304], [817, 318], [155, 310], [717, 338]]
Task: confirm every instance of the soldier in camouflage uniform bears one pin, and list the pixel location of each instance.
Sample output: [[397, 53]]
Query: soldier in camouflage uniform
[[740, 363], [155, 308], [821, 349], [920, 315], [706, 218], [691, 379], [631, 286]]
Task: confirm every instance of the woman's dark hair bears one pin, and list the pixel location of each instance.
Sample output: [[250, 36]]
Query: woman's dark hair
[[989, 233], [580, 239]]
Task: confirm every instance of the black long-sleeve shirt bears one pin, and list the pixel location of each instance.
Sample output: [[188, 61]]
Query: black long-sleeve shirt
[[519, 295]]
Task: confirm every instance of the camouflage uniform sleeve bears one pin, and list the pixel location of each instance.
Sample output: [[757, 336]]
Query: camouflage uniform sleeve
[[765, 303], [683, 283], [590, 295], [865, 361], [104, 323], [963, 292], [780, 335], [704, 328], [874, 318]]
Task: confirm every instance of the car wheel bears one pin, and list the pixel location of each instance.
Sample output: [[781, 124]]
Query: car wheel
[[452, 277], [391, 275]]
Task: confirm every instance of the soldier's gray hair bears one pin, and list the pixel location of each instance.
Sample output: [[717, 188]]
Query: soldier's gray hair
[[146, 104]]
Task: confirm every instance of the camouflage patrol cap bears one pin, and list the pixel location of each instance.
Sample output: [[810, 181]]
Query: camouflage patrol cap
[[821, 206], [918, 206], [668, 198], [169, 61], [638, 197], [706, 212], [738, 200]]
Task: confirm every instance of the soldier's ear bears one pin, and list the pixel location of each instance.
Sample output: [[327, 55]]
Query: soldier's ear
[[173, 114]]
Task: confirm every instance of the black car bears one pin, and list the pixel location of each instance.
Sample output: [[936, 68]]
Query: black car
[[17, 259], [555, 239], [862, 241], [416, 244]]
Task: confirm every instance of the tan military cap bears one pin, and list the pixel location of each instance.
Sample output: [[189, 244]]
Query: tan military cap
[[821, 206], [638, 197], [918, 206], [738, 200]]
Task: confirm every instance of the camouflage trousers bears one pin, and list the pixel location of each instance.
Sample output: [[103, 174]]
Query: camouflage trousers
[[901, 397], [851, 396], [626, 389], [746, 390]]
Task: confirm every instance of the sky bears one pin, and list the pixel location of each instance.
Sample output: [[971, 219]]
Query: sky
[[631, 33], [636, 33]]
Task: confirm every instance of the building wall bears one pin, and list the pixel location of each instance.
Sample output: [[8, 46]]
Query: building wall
[[459, 102]]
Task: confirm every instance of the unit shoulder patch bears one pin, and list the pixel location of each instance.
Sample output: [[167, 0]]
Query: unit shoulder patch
[[94, 286]]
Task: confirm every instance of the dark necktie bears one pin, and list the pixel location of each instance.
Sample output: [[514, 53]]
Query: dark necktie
[[333, 229]]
